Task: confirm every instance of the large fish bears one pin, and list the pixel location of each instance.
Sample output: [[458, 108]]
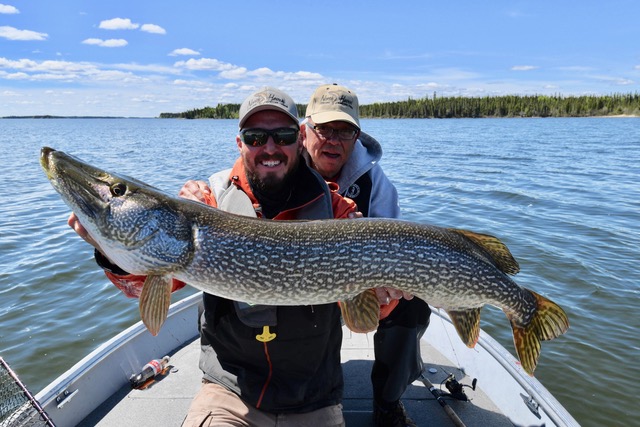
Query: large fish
[[147, 232]]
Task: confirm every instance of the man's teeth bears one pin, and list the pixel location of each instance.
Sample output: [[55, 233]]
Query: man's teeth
[[271, 163]]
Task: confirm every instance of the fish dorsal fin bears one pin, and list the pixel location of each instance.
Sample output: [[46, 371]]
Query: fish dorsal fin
[[467, 324], [154, 302], [498, 251], [362, 312]]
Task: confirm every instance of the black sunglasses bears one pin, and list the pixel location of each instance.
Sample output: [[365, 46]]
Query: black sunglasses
[[257, 137]]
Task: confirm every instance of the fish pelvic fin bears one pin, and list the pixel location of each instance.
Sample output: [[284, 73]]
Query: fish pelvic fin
[[362, 312], [497, 250], [549, 321], [467, 324], [154, 302]]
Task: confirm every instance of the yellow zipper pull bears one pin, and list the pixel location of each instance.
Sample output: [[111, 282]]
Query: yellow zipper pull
[[266, 335]]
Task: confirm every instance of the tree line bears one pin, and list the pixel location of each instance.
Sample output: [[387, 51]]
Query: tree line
[[437, 107]]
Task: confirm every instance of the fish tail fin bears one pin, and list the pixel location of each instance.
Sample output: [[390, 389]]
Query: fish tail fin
[[467, 324], [362, 312], [549, 321], [154, 302]]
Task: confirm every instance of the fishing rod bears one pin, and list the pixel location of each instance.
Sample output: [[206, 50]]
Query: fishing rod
[[456, 391]]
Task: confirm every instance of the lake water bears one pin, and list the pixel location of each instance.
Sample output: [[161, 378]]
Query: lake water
[[563, 194]]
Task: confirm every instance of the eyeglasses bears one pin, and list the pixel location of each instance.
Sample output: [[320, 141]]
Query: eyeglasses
[[257, 137], [327, 132]]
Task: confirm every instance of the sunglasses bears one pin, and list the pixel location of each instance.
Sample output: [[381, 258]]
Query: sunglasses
[[257, 137]]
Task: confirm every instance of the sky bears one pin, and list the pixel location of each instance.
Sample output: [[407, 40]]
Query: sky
[[139, 58]]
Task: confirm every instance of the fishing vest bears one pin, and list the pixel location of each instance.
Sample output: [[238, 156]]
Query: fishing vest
[[313, 333]]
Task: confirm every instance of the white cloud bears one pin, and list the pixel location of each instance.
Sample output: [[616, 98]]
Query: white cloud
[[118, 24], [106, 43], [205, 64], [266, 73], [184, 51], [16, 76], [430, 85], [150, 68], [262, 72], [235, 73], [92, 41], [303, 75], [523, 67], [28, 69], [8, 9], [50, 77], [153, 28], [11, 33]]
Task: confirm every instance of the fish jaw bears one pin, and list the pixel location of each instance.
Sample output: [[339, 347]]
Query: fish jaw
[[136, 226], [78, 183]]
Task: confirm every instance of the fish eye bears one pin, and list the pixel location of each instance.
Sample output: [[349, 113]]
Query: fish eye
[[118, 189]]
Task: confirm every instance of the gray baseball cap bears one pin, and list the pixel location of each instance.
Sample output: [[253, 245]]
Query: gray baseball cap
[[268, 98]]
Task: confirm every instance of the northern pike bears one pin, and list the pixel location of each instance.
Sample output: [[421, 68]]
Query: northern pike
[[148, 232]]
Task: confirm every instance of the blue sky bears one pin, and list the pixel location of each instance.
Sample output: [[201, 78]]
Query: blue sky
[[141, 58]]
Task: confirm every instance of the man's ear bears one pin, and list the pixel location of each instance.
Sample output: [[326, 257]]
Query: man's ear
[[303, 134]]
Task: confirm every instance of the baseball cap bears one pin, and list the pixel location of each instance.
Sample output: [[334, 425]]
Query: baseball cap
[[334, 102], [267, 98]]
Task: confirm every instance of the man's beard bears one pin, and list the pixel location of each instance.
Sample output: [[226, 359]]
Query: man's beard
[[272, 185]]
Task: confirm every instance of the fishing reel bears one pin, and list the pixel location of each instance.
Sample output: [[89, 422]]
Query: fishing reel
[[456, 389]]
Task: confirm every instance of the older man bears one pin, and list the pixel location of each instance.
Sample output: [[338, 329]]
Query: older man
[[343, 154]]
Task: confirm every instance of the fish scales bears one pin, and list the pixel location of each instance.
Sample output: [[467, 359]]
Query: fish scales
[[148, 232], [394, 257]]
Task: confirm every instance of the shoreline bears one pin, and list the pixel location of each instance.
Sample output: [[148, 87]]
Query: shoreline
[[618, 116]]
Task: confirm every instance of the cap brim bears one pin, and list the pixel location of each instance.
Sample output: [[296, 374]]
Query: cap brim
[[331, 116], [265, 108]]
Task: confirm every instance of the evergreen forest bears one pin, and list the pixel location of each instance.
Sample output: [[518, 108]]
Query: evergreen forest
[[438, 107]]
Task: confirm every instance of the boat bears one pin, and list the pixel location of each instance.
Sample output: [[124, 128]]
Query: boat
[[483, 386]]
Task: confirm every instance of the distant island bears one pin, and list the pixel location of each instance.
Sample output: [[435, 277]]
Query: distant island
[[438, 107]]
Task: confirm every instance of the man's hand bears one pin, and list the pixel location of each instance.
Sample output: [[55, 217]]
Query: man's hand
[[195, 190], [385, 295], [74, 223]]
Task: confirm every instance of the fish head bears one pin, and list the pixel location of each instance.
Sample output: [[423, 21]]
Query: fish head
[[137, 226]]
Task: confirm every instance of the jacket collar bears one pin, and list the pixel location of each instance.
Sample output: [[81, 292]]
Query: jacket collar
[[310, 187]]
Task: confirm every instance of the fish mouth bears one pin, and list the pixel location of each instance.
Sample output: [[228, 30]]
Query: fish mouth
[[44, 160], [80, 185]]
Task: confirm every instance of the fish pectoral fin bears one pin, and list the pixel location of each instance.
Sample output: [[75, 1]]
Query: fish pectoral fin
[[362, 312], [548, 322], [467, 324], [154, 302], [497, 250]]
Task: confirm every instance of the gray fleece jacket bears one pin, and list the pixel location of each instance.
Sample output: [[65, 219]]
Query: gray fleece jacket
[[363, 180]]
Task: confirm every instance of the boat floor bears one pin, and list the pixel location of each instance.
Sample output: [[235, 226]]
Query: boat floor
[[166, 401]]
